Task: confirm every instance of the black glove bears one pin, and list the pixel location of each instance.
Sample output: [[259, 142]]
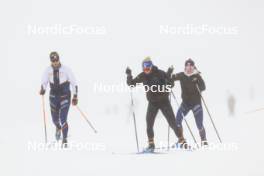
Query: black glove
[[128, 71], [42, 91], [173, 77], [75, 100], [170, 70]]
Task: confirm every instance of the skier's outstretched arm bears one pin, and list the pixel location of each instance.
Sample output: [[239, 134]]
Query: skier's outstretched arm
[[130, 80], [176, 77]]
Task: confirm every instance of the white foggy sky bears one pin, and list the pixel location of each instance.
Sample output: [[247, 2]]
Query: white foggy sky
[[227, 62], [232, 63]]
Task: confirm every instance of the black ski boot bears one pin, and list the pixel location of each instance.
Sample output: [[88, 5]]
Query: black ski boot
[[204, 143], [181, 142], [150, 148]]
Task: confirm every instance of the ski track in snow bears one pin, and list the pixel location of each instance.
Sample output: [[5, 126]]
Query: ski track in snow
[[118, 158]]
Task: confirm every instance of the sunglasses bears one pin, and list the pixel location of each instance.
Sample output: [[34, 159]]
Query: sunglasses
[[189, 64], [147, 65], [54, 60]]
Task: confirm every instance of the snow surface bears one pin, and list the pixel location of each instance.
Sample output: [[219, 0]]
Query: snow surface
[[118, 159]]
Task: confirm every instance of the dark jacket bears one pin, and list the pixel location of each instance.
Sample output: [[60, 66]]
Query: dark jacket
[[157, 78], [190, 93]]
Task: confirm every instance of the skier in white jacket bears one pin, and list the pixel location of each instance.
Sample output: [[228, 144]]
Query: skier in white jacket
[[59, 78]]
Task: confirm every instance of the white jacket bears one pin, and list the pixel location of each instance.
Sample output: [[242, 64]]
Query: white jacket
[[66, 75]]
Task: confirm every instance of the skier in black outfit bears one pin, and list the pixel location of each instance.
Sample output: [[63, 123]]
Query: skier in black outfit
[[191, 98], [158, 97]]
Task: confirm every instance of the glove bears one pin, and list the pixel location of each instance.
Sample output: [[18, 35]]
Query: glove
[[170, 70], [173, 77], [42, 91], [128, 71], [75, 100]]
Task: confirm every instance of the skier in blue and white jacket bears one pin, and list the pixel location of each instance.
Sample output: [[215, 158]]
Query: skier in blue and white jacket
[[59, 78]]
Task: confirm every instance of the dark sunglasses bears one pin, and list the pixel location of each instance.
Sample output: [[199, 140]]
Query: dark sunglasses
[[54, 60], [189, 64]]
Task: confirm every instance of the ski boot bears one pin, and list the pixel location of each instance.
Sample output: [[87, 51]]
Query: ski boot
[[204, 143], [150, 148], [58, 134], [64, 143], [182, 144]]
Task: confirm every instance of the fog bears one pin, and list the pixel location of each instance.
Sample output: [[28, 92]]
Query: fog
[[129, 31]]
